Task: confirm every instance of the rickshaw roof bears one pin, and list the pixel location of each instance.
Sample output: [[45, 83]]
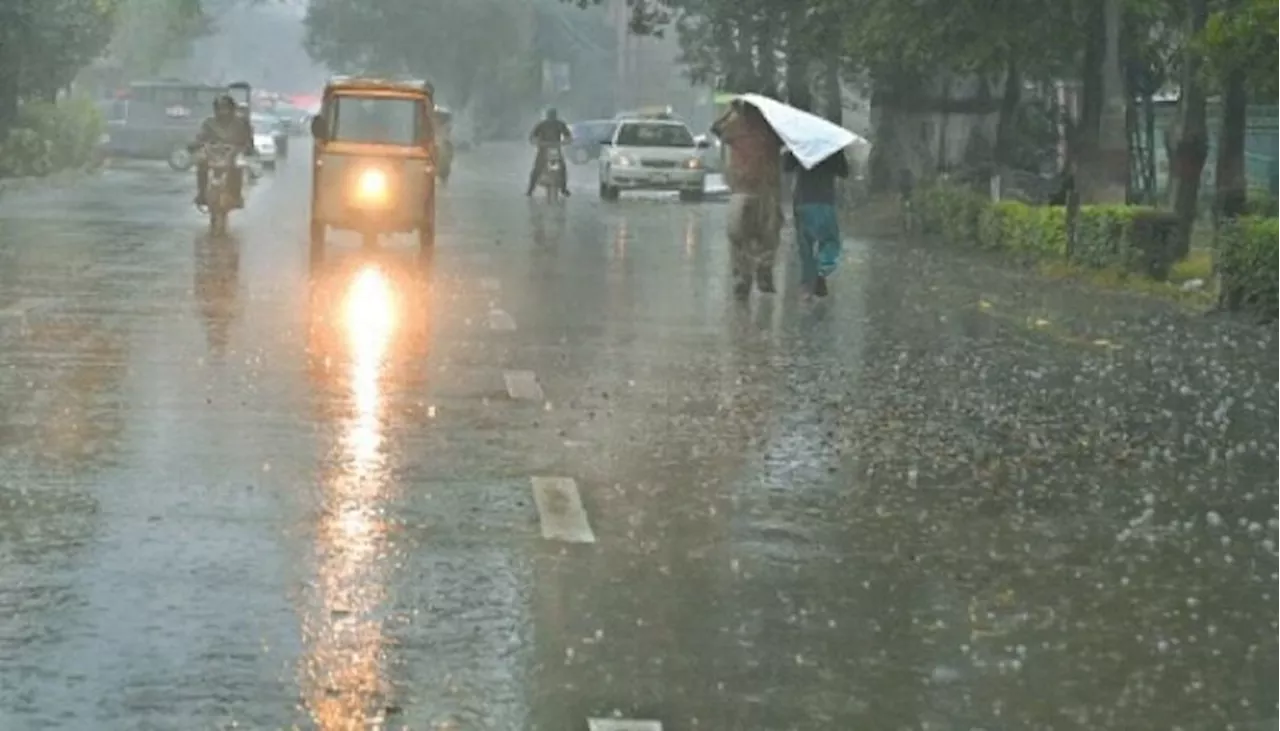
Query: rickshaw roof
[[394, 86]]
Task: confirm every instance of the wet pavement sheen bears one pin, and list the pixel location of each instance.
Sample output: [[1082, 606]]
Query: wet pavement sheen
[[561, 475]]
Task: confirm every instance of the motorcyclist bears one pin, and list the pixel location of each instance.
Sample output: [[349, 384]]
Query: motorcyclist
[[550, 132], [226, 126]]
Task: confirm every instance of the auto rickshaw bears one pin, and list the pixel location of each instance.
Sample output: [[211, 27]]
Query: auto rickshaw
[[374, 164], [444, 143]]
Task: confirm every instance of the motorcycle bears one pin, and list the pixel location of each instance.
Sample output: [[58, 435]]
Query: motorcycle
[[222, 160], [552, 176]]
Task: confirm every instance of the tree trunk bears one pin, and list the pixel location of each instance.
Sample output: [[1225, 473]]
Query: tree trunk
[[831, 88], [1082, 138], [1104, 176], [1149, 142], [1231, 194], [766, 55], [1009, 101], [1192, 145], [742, 71], [799, 93]]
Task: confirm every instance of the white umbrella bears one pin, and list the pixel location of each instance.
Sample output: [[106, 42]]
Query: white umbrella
[[809, 137]]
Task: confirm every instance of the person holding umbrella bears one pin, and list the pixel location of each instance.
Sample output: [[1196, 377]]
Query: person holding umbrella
[[755, 185], [817, 226], [756, 128]]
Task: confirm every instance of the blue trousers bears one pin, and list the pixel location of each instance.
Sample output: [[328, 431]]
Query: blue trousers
[[818, 239]]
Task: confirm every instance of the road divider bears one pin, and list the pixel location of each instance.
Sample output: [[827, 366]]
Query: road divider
[[562, 517]]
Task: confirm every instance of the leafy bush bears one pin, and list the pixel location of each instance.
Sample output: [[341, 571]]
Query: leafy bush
[[1132, 238], [1261, 202], [1153, 245], [47, 138], [951, 211], [1247, 263]]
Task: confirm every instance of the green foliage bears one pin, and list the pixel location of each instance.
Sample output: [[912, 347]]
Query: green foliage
[[952, 212], [1261, 202], [1247, 264], [150, 32], [1243, 34], [1132, 238], [48, 138], [1015, 226]]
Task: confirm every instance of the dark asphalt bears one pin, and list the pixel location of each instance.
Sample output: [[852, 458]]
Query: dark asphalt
[[235, 493]]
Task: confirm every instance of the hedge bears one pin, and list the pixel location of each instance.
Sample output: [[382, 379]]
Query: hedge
[[47, 138], [1247, 264], [1134, 238]]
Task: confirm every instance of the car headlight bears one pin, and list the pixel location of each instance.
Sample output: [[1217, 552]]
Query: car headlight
[[371, 187], [623, 161], [693, 163]]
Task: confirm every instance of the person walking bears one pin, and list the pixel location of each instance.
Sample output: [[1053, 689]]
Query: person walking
[[817, 225], [755, 185]]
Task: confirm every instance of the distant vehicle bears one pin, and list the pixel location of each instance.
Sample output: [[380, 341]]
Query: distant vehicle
[[552, 177], [656, 112], [653, 154], [158, 119], [222, 159], [270, 138], [374, 170], [589, 137]]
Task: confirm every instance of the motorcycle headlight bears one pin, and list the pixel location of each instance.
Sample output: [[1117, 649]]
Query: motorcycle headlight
[[371, 187]]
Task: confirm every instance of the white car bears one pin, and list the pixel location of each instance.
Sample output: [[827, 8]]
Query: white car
[[652, 154], [265, 144]]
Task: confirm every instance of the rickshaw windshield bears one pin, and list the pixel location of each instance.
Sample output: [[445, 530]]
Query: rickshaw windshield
[[379, 120]]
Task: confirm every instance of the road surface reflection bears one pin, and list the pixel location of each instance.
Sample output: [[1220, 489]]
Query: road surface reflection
[[345, 658]]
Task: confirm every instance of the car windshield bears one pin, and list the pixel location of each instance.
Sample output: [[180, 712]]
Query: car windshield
[[376, 120], [654, 135]]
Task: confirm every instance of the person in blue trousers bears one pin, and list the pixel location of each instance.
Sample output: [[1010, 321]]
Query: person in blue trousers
[[817, 228]]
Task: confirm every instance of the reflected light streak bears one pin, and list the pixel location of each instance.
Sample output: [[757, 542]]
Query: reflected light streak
[[346, 640], [620, 241]]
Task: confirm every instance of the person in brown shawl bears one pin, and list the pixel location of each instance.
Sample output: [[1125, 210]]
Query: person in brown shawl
[[755, 200]]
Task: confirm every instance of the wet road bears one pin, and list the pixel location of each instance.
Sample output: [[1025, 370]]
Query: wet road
[[563, 475]]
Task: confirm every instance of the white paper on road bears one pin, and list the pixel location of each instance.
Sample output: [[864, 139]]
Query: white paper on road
[[809, 137], [523, 385], [501, 321], [560, 510], [621, 724]]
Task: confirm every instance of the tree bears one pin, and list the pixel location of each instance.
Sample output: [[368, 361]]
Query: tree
[[149, 33], [459, 45], [1240, 47], [1191, 146], [44, 43]]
